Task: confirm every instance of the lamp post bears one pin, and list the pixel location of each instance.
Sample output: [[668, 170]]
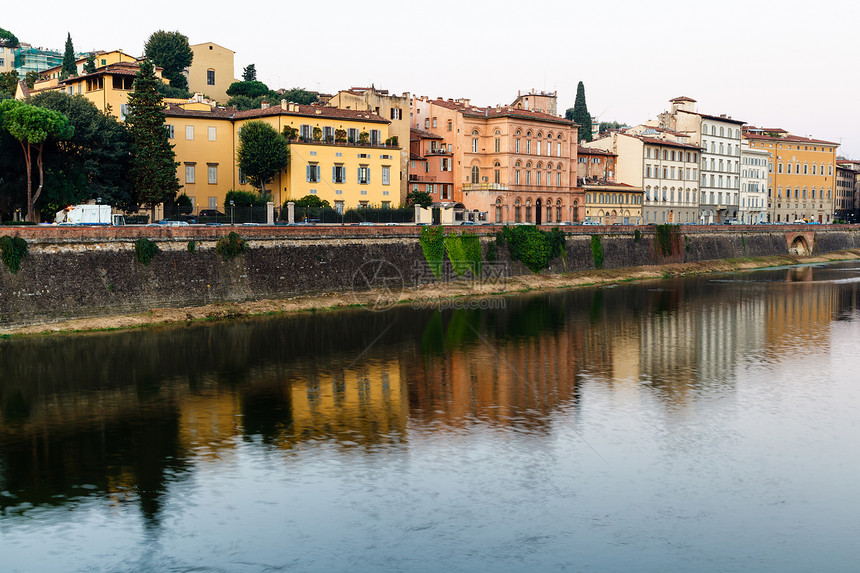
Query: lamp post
[[232, 203], [99, 209]]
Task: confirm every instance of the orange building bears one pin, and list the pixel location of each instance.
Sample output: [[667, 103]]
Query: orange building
[[509, 165], [430, 165]]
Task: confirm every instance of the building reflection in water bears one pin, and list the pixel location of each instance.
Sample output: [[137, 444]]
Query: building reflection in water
[[125, 415]]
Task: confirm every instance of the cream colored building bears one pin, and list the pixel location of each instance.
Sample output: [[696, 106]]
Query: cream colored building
[[391, 107], [7, 59], [753, 197], [666, 171], [543, 102], [211, 71]]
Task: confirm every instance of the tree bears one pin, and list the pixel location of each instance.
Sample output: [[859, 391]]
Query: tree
[[8, 39], [32, 126], [299, 95], [312, 202], [249, 74], [69, 68], [262, 153], [9, 83], [607, 125], [249, 89], [170, 51], [90, 65], [422, 198], [95, 163], [31, 78], [579, 114], [153, 170]]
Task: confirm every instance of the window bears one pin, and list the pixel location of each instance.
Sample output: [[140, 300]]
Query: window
[[189, 173], [242, 179], [313, 173], [450, 125], [528, 145], [474, 146], [328, 133], [517, 145], [352, 135], [213, 173], [427, 123], [386, 175], [376, 137], [364, 175], [396, 113], [338, 206], [210, 77], [476, 173], [171, 132], [498, 147], [189, 132], [434, 122], [446, 165], [211, 134]]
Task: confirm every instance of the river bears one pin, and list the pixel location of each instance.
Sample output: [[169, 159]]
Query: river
[[701, 424]]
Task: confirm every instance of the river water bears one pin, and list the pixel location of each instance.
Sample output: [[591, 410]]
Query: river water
[[704, 424]]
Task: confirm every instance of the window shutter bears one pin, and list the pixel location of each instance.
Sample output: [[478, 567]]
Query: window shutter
[[359, 175], [308, 172], [334, 174], [368, 174]]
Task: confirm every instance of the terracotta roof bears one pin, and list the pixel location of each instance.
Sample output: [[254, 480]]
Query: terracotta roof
[[25, 89], [714, 117], [313, 111], [420, 133], [115, 69], [505, 111], [580, 150], [682, 98], [415, 157], [787, 138], [173, 110]]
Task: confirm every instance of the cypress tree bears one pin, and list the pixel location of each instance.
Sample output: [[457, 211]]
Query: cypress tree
[[69, 68], [580, 114], [249, 74], [90, 65], [153, 171]]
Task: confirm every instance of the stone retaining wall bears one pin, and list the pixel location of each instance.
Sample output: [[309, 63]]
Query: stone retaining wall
[[80, 272]]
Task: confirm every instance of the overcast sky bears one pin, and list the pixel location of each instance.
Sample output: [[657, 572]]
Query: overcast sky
[[777, 64]]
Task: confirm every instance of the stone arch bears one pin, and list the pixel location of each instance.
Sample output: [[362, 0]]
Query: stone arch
[[799, 245]]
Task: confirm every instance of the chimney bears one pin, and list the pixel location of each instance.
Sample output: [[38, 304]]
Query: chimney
[[284, 104]]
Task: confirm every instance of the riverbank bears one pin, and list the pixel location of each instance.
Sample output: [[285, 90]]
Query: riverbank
[[427, 295]]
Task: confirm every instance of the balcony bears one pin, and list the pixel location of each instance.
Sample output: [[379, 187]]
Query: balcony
[[427, 178], [439, 151]]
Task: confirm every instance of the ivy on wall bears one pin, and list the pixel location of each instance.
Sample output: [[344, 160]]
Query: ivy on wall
[[531, 246], [230, 246], [464, 252], [597, 251], [145, 250], [13, 249], [667, 236], [433, 246]]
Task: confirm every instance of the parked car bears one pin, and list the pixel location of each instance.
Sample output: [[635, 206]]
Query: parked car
[[211, 213], [587, 222]]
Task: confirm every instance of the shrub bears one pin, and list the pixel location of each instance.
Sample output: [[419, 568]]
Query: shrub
[[533, 247], [244, 199], [13, 249], [597, 251], [637, 236], [192, 246], [230, 246], [145, 250], [464, 252]]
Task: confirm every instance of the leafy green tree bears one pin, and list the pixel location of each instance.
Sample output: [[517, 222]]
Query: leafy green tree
[[244, 199], [8, 39], [608, 125], [579, 114], [95, 163], [153, 171], [262, 153], [9, 83], [170, 51], [169, 91], [69, 68], [32, 126], [301, 96], [422, 198], [313, 202], [249, 73], [249, 89], [90, 65], [31, 78]]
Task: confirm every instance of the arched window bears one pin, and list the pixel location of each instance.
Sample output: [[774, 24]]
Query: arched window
[[498, 209], [476, 173], [517, 211], [528, 210], [497, 172]]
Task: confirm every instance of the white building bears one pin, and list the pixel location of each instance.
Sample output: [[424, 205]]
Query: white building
[[753, 197], [719, 136]]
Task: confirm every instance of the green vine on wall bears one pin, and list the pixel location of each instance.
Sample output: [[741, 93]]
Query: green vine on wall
[[13, 250], [597, 251], [433, 246], [464, 252], [666, 237], [531, 246], [145, 250], [230, 246]]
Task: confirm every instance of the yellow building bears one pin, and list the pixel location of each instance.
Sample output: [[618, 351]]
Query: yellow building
[[609, 203], [108, 87], [211, 71], [102, 59], [801, 175], [338, 155]]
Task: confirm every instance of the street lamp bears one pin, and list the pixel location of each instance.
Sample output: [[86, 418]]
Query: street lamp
[[232, 203], [99, 209]]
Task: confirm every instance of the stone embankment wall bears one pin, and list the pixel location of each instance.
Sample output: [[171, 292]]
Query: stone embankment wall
[[81, 272]]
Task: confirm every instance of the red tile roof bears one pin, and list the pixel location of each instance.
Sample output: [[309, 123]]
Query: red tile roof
[[683, 98], [173, 110], [787, 138], [505, 111], [421, 134], [313, 111], [655, 141], [580, 150]]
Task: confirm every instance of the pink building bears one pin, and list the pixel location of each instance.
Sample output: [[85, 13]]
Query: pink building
[[430, 165], [509, 165]]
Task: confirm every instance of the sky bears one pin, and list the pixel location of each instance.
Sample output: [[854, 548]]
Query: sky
[[770, 63]]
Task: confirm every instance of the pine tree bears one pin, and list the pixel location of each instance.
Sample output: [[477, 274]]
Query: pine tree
[[580, 114], [90, 65], [69, 68], [153, 171], [249, 74]]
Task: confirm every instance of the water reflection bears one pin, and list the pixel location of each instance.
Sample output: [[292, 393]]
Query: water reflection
[[127, 417]]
